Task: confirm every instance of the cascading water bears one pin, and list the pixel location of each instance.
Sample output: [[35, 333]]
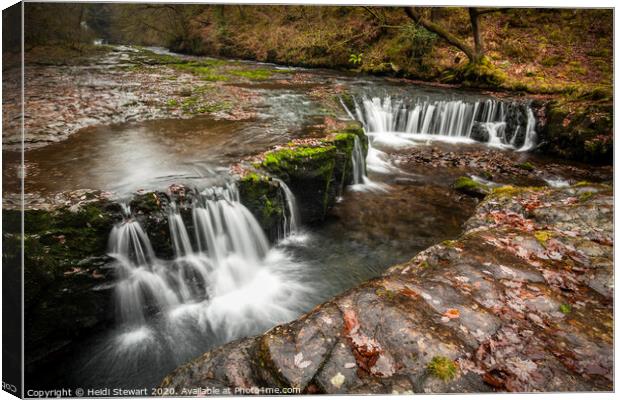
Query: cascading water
[[398, 123], [530, 132], [224, 282], [290, 225], [142, 280], [358, 163]]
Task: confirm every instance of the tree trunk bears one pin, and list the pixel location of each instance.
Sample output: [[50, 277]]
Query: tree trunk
[[475, 28], [442, 32]]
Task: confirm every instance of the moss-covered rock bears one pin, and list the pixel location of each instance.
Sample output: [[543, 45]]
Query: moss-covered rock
[[310, 174], [479, 74], [470, 187], [263, 197], [151, 210], [66, 284], [578, 130], [315, 171]]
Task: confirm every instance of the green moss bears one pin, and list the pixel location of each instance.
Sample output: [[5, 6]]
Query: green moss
[[469, 186], [543, 236], [481, 73], [464, 182], [205, 70], [565, 309], [288, 158], [585, 196], [582, 184], [382, 292], [262, 196], [442, 368], [146, 203], [449, 243], [527, 166], [510, 191], [257, 74], [172, 103]]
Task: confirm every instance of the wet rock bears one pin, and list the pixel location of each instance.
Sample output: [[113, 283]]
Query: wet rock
[[316, 170], [579, 130], [470, 187], [65, 271], [504, 308], [479, 133], [264, 198]]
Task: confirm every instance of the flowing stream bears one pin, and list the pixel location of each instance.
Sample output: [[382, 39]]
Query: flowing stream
[[226, 281]]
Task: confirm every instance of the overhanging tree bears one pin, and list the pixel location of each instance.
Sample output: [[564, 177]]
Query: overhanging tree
[[474, 53]]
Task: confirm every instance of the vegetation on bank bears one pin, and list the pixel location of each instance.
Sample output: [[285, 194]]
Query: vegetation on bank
[[533, 50]]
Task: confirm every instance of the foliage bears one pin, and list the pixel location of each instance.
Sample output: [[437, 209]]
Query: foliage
[[356, 59], [421, 40]]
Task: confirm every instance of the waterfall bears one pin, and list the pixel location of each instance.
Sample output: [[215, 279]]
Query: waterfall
[[224, 275], [358, 163], [224, 226], [143, 282], [530, 132], [290, 225], [180, 239], [398, 123]]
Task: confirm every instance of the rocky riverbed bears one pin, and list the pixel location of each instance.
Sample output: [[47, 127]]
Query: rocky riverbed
[[522, 301]]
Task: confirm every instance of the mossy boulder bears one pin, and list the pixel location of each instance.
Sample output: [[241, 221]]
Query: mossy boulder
[[264, 198], [316, 171], [66, 282], [481, 73], [151, 210], [577, 130], [310, 172], [470, 187]]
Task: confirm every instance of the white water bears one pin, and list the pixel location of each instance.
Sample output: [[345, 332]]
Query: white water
[[224, 282], [292, 220], [557, 182], [397, 124], [358, 163], [530, 132]]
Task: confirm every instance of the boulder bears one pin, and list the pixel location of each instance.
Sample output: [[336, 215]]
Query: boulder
[[479, 133], [578, 130]]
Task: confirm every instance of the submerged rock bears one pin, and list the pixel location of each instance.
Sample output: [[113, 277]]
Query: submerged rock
[[522, 301]]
